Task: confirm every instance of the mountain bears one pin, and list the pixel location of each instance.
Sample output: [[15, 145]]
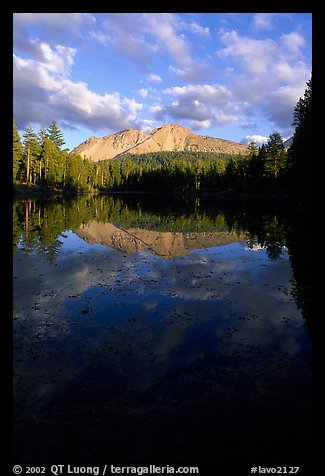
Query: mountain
[[288, 142], [168, 245], [169, 137]]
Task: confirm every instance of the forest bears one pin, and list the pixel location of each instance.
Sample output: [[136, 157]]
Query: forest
[[41, 164], [39, 225], [44, 222]]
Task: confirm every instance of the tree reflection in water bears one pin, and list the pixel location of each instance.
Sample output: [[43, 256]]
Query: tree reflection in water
[[128, 355]]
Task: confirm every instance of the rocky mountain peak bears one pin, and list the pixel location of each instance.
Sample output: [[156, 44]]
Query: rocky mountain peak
[[168, 137]]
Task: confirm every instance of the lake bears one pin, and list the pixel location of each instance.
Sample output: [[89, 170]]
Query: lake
[[151, 329]]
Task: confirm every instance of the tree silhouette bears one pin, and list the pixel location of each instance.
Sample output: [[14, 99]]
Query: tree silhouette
[[300, 151], [275, 155]]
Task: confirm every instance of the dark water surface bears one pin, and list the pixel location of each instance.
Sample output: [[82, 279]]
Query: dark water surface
[[159, 331]]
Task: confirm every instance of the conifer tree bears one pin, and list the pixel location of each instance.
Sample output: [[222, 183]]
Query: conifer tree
[[300, 151], [275, 155], [17, 152], [31, 154], [42, 134], [55, 135]]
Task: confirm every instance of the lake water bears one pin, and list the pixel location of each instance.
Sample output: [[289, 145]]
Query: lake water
[[147, 329]]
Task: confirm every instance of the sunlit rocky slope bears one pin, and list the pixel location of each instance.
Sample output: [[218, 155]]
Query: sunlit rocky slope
[[170, 137]]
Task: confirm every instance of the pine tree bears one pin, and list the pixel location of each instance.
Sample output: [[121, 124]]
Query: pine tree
[[275, 155], [303, 107], [32, 151], [17, 152], [48, 156], [253, 149], [42, 134], [300, 151], [55, 135]]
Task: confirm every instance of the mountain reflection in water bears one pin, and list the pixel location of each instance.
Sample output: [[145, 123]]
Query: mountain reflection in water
[[146, 331], [166, 244]]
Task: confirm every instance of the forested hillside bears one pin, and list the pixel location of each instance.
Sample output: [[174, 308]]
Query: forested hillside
[[40, 163]]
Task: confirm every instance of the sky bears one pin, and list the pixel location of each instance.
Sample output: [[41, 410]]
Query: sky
[[234, 76]]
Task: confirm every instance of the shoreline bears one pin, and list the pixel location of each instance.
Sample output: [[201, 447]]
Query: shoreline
[[35, 192]]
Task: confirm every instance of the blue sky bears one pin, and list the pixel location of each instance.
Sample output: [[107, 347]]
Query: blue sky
[[236, 76]]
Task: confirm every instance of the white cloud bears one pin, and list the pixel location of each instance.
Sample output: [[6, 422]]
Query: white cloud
[[140, 36], [201, 105], [212, 94], [279, 105], [195, 72], [262, 21], [59, 61], [40, 94], [153, 78], [188, 110], [126, 33], [254, 55], [54, 24], [51, 27], [131, 46], [143, 92], [290, 73], [132, 105], [156, 109], [163, 27], [256, 138], [197, 29], [261, 74], [200, 125], [147, 125], [293, 41], [222, 118], [266, 77]]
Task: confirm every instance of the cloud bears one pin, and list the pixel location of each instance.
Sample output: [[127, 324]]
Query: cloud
[[196, 29], [267, 79], [200, 125], [143, 92], [278, 106], [188, 110], [265, 61], [51, 27], [42, 93], [212, 94], [132, 104], [197, 71], [43, 89], [201, 105], [147, 125], [156, 110], [164, 27], [256, 138], [253, 55], [141, 36], [262, 21], [58, 61], [222, 118], [270, 99], [125, 33], [290, 73], [65, 290], [293, 41], [254, 71], [153, 78]]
